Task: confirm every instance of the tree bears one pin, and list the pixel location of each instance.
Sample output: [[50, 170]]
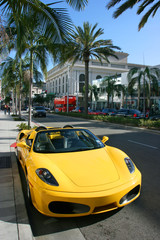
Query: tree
[[85, 44], [54, 21], [143, 76], [121, 90], [10, 78], [93, 93], [109, 84], [143, 5], [135, 76], [152, 74], [36, 42], [56, 18]]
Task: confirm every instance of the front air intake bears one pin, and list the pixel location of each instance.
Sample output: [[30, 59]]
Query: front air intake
[[68, 208], [130, 195]]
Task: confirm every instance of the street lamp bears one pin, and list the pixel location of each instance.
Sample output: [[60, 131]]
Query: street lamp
[[68, 89]]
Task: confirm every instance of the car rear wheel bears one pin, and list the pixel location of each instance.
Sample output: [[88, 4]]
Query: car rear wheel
[[28, 192]]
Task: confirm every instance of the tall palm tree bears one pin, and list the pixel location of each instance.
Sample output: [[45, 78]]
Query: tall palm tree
[[84, 45], [143, 76], [10, 79], [109, 84], [143, 5], [121, 90], [56, 18], [94, 92], [55, 22], [135, 76], [152, 74]]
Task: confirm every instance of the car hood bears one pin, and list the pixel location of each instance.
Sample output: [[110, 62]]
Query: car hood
[[86, 168]]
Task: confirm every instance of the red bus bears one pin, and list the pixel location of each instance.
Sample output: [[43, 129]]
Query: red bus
[[60, 104]]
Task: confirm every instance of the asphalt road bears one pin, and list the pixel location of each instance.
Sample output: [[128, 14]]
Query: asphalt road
[[139, 220]]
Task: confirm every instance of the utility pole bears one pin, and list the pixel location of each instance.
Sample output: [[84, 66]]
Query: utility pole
[[68, 90]]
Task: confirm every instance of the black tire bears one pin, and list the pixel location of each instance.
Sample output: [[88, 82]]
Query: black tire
[[68, 126], [28, 191], [40, 128]]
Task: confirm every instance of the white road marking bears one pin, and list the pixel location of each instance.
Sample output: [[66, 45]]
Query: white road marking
[[143, 144]]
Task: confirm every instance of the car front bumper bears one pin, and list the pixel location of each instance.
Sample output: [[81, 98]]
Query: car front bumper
[[64, 204]]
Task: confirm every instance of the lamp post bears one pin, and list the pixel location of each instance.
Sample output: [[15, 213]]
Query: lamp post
[[68, 90]]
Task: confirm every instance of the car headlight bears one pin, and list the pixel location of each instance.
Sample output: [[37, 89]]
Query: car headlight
[[46, 176], [129, 164]]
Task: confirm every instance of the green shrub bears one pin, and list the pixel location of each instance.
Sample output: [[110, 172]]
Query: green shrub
[[18, 119], [117, 119], [23, 126], [150, 124]]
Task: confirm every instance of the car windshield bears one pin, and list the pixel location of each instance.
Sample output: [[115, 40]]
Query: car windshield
[[66, 140], [39, 108]]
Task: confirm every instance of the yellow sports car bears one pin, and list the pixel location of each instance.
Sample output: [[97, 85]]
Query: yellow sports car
[[70, 172]]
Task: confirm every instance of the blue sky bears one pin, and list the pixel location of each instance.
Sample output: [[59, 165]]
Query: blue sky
[[142, 46]]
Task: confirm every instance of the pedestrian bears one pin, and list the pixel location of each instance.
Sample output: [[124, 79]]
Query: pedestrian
[[5, 109], [9, 110]]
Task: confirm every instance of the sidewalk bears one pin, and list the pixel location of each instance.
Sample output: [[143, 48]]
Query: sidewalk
[[14, 223]]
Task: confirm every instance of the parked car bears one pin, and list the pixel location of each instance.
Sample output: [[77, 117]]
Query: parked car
[[109, 111], [78, 109], [155, 117], [39, 111], [70, 172], [133, 113], [94, 112], [27, 109], [47, 109]]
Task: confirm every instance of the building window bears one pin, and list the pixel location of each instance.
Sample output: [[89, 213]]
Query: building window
[[56, 87], [117, 66], [63, 86], [98, 77], [81, 82], [66, 84], [53, 87], [59, 85]]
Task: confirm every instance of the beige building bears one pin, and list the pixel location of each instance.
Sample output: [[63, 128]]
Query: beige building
[[70, 79]]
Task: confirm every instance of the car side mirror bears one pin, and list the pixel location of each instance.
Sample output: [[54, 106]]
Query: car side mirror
[[23, 145], [105, 139]]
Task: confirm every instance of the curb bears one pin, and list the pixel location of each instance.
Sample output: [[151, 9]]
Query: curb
[[23, 226]]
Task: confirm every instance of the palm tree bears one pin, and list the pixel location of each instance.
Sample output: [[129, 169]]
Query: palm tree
[[10, 79], [54, 21], [152, 74], [93, 93], [121, 90], [108, 83], [135, 76], [56, 18], [85, 44], [36, 41], [143, 4], [145, 76]]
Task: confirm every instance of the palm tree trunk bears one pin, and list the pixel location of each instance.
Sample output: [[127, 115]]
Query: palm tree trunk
[[122, 102], [138, 98], [30, 89], [20, 87], [20, 97], [13, 103], [16, 101], [144, 96], [86, 85], [108, 96], [149, 94]]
